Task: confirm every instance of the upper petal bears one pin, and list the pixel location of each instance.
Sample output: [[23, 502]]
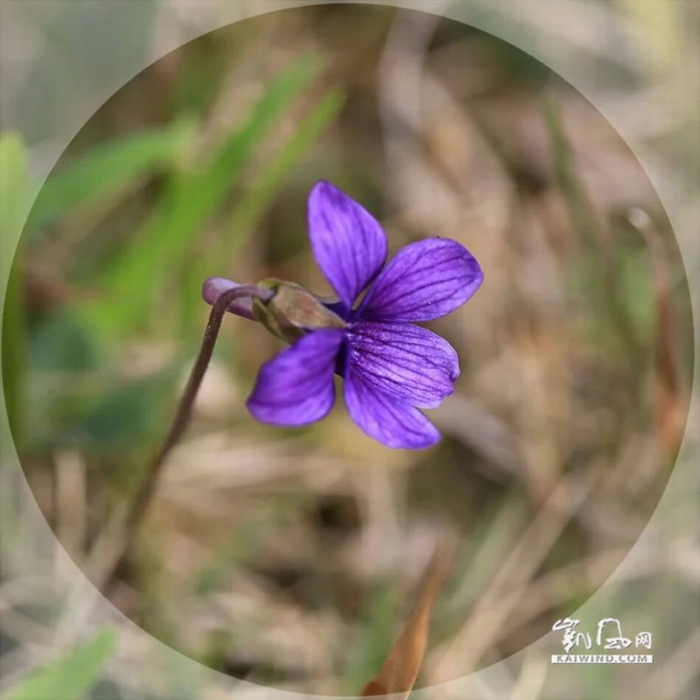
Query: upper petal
[[403, 360], [347, 241], [388, 419], [214, 287], [425, 280], [296, 386]]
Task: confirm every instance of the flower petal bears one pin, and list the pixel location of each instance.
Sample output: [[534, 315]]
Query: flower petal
[[403, 360], [214, 287], [348, 243], [390, 420], [296, 386], [425, 280]]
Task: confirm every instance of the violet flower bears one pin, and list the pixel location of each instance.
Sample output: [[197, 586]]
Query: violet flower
[[391, 367]]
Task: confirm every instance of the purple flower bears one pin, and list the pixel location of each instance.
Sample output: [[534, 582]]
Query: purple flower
[[391, 368]]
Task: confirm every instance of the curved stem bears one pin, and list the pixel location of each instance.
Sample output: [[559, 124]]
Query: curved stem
[[147, 488]]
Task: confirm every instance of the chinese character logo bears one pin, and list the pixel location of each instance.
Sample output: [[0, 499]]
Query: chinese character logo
[[571, 638], [611, 626], [608, 636], [643, 639]]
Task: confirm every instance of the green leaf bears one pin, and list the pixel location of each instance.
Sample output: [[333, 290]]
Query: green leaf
[[69, 677], [15, 189], [108, 169], [192, 199]]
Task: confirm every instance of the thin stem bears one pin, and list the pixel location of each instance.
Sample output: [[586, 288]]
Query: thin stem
[[147, 488]]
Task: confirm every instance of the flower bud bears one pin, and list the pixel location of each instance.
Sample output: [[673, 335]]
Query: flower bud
[[292, 311]]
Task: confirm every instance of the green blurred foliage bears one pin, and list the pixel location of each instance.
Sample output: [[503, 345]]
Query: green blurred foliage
[[107, 170], [150, 280]]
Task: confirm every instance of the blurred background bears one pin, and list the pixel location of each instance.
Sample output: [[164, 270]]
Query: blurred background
[[291, 558]]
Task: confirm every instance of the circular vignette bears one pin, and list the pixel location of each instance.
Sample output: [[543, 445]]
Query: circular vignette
[[683, 290]]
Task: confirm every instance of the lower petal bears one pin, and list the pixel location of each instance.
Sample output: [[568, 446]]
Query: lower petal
[[403, 360], [388, 419], [296, 386]]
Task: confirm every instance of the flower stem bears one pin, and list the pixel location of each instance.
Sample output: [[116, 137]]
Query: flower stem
[[147, 488]]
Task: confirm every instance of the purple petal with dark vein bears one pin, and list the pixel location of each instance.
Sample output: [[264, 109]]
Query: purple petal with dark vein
[[403, 360], [296, 386], [390, 420], [347, 241], [425, 280], [214, 287]]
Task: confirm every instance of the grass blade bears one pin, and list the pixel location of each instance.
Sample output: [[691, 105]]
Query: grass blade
[[247, 215], [193, 198], [69, 677]]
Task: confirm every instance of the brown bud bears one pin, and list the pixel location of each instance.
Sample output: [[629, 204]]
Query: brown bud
[[293, 311]]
